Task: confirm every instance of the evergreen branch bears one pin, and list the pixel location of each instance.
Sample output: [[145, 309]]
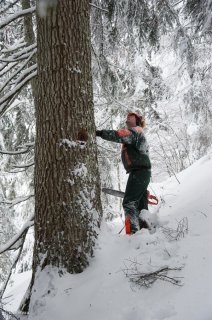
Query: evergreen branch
[[5, 106], [6, 68], [27, 71], [19, 44], [17, 200], [18, 71], [22, 57], [6, 101], [175, 4], [13, 153], [18, 236], [16, 16], [96, 7], [26, 145], [20, 52], [25, 166], [3, 10], [4, 314], [22, 238]]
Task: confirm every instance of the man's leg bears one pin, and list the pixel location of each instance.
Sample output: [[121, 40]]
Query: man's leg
[[143, 201], [135, 189]]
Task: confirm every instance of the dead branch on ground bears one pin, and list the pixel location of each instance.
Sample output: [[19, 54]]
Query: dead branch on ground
[[176, 234], [147, 279]]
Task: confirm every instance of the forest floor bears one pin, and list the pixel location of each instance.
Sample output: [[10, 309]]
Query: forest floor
[[118, 285]]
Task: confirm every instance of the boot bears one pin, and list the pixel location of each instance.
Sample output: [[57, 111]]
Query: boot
[[143, 224]]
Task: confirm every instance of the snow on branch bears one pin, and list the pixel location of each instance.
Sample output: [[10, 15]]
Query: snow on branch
[[27, 71], [19, 68], [20, 55], [96, 7], [13, 153], [9, 245], [19, 43], [9, 97], [9, 60], [14, 74], [5, 314], [24, 166], [6, 68], [16, 16], [17, 242], [10, 5], [16, 201]]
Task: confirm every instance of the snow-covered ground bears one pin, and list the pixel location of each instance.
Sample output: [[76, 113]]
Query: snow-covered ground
[[104, 292]]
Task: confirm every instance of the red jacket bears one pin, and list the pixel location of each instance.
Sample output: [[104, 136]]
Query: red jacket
[[135, 149]]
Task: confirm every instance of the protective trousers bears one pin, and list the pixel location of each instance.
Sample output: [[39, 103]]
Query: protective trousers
[[135, 198]]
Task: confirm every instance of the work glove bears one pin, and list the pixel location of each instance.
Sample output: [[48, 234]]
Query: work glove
[[99, 133], [82, 135]]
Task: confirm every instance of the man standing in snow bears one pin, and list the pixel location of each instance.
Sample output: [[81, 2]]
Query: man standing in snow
[[135, 158]]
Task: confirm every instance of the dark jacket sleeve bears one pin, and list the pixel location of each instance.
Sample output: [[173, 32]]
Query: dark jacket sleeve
[[119, 136]]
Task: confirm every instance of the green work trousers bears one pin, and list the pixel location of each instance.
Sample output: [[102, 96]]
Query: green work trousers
[[135, 198]]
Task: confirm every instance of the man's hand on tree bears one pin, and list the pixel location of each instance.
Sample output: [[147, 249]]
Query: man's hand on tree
[[82, 135], [99, 133]]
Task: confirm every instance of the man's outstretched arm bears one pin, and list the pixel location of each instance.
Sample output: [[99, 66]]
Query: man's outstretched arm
[[120, 136]]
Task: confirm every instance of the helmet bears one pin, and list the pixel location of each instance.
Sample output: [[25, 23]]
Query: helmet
[[139, 119]]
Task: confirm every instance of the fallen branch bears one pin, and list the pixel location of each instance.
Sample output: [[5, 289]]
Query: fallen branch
[[146, 279], [180, 232]]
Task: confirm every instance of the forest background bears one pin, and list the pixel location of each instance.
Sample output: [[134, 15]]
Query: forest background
[[151, 57]]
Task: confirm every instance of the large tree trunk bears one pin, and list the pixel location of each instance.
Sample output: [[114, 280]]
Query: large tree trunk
[[67, 190], [67, 193]]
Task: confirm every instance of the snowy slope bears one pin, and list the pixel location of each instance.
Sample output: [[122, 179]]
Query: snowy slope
[[104, 292]]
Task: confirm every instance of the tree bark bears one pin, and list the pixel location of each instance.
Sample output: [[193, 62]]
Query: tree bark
[[67, 192], [67, 184]]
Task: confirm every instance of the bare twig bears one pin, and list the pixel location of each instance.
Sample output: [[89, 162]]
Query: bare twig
[[96, 7], [146, 279], [203, 213], [176, 234], [6, 315]]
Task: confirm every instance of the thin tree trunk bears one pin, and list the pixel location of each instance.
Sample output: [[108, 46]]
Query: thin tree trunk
[[29, 36]]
